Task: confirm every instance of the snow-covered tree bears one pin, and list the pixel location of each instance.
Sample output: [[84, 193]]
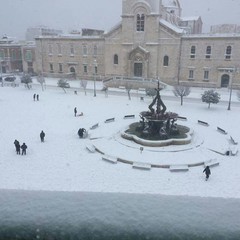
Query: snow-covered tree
[[27, 79], [210, 96], [181, 91], [83, 84], [62, 83], [41, 80]]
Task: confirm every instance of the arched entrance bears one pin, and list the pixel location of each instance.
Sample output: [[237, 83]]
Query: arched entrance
[[72, 72], [225, 80]]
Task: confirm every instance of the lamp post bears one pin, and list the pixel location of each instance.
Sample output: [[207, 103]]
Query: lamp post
[[95, 75], [230, 95]]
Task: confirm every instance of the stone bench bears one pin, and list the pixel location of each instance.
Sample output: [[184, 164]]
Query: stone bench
[[203, 123], [233, 141], [91, 148], [221, 130], [143, 166], [109, 159], [129, 116], [109, 120], [211, 163], [94, 126], [179, 168]]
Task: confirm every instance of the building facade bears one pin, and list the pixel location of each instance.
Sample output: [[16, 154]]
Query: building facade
[[152, 41]]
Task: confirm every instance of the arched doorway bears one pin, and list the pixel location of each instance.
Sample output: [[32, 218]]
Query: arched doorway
[[225, 80], [72, 72]]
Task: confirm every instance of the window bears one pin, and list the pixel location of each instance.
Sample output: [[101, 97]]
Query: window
[[51, 67], [191, 75], [95, 50], [60, 67], [85, 50], [165, 61], [115, 59], [206, 75], [208, 52], [71, 49], [140, 22], [228, 53], [193, 52], [28, 56], [59, 49], [85, 69], [50, 50]]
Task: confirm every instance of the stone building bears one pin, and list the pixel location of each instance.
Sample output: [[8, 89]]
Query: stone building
[[151, 42]]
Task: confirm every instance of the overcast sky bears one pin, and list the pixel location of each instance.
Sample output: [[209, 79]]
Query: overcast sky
[[17, 15]]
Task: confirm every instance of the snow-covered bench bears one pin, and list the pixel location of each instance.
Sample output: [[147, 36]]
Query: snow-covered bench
[[91, 148], [109, 158], [211, 163], [182, 118], [143, 166], [94, 126], [179, 168], [122, 87], [221, 130], [129, 116], [203, 123], [109, 120], [233, 141]]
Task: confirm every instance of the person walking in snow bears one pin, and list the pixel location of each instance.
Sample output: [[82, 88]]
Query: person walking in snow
[[42, 136], [207, 172], [17, 146], [75, 111], [37, 97], [34, 96], [24, 148]]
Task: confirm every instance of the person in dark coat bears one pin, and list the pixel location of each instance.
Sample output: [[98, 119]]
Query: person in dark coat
[[34, 97], [37, 97], [42, 136], [24, 148], [75, 111], [81, 132], [17, 146], [207, 172]]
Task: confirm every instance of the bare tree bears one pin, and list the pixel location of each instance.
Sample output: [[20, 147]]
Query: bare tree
[[181, 91], [41, 80], [128, 89], [238, 95], [83, 84]]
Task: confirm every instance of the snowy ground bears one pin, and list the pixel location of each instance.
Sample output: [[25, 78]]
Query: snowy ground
[[62, 163]]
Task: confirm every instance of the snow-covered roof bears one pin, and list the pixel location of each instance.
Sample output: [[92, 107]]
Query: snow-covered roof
[[193, 18], [171, 26], [212, 35]]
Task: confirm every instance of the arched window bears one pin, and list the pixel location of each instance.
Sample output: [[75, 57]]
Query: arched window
[[115, 59], [140, 22], [193, 52], [165, 61], [208, 52], [228, 52]]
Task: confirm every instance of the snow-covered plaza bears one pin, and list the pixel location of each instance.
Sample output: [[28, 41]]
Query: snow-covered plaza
[[62, 171]]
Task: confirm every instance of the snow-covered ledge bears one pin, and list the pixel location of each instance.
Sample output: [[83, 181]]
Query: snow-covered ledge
[[158, 143]]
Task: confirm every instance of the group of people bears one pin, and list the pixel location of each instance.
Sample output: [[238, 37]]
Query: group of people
[[35, 97], [18, 146]]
